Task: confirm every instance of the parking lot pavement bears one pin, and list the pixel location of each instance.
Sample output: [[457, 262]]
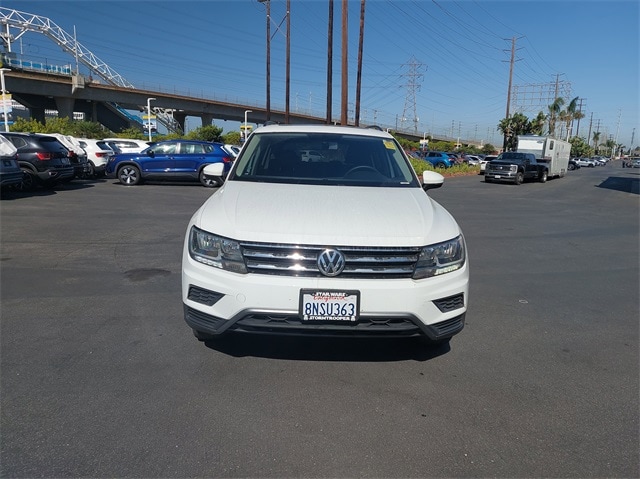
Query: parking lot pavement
[[100, 376]]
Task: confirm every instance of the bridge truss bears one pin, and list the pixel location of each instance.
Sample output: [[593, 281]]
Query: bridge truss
[[24, 22]]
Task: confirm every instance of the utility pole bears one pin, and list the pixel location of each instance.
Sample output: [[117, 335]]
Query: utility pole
[[288, 61], [589, 134], [618, 128], [513, 55], [330, 64], [557, 85], [344, 108], [268, 73], [359, 74], [578, 125]]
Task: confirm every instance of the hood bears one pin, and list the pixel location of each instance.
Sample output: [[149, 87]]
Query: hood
[[325, 215]]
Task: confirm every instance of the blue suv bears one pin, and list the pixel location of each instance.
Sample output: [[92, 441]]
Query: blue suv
[[439, 159], [173, 160]]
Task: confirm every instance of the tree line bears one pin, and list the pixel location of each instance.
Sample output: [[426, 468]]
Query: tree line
[[94, 130]]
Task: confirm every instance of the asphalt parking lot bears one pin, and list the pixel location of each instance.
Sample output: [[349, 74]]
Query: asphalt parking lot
[[101, 377]]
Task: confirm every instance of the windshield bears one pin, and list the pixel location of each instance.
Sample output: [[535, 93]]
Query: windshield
[[324, 158], [512, 156]]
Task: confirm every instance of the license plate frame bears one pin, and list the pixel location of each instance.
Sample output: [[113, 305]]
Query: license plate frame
[[329, 306]]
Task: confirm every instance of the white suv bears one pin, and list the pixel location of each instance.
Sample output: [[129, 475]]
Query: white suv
[[98, 153], [349, 244], [126, 145]]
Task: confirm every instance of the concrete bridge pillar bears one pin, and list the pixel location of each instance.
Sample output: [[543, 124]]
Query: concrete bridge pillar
[[37, 114], [180, 118], [65, 107], [207, 119]]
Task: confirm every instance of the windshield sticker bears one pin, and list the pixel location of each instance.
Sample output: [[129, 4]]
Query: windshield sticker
[[389, 145]]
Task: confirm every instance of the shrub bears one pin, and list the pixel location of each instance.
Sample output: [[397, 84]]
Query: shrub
[[457, 170]]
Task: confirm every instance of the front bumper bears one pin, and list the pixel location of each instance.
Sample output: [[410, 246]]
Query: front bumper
[[282, 323], [217, 301], [500, 175]]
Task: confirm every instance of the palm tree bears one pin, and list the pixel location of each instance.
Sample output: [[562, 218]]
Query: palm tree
[[596, 137], [511, 127], [565, 118], [578, 115], [537, 124], [554, 111], [571, 113]]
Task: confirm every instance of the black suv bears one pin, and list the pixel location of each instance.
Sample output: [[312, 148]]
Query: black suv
[[44, 161]]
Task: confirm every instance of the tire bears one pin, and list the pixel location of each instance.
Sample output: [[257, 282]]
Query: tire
[[519, 178], [487, 180], [440, 165], [92, 170], [29, 181], [209, 183], [572, 166], [544, 175], [129, 175]]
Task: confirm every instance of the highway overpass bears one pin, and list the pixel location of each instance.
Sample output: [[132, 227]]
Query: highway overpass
[[105, 103]]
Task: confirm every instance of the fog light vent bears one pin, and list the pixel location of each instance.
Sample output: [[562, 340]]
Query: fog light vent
[[203, 296], [449, 304]]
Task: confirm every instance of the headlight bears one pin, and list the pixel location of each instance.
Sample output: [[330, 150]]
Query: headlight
[[440, 258], [216, 251]]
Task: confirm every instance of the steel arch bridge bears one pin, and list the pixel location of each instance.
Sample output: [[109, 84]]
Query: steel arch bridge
[[21, 22]]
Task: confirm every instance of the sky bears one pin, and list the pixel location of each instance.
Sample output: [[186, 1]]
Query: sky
[[434, 66]]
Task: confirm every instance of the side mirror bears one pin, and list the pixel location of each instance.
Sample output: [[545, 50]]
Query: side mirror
[[213, 171], [151, 153], [431, 180]]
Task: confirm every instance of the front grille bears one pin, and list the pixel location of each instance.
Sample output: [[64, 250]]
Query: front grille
[[301, 260], [291, 324], [498, 167]]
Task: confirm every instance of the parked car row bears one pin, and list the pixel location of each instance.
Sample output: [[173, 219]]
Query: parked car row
[[633, 162], [591, 162], [49, 159]]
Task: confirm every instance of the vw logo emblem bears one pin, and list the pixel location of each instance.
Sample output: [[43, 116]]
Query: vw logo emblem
[[331, 262]]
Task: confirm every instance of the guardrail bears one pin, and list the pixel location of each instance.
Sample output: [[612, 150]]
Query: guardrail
[[37, 66]]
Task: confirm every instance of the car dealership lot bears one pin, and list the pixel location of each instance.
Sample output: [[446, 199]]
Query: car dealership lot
[[100, 375]]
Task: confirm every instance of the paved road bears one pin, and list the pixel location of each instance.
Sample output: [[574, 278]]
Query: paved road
[[100, 376]]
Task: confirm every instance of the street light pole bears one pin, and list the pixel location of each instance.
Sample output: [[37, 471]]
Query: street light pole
[[149, 116], [4, 100], [244, 132]]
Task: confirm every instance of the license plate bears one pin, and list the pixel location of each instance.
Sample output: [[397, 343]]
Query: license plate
[[329, 305], [497, 176]]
